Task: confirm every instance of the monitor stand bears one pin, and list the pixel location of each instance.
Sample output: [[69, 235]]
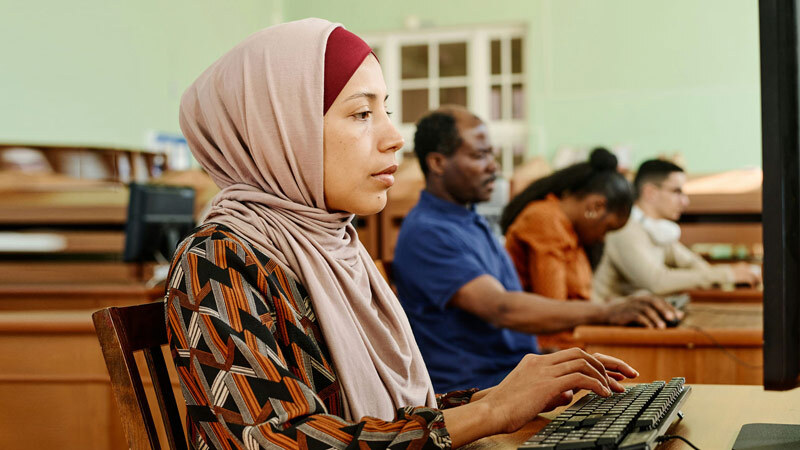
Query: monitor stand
[[160, 271], [768, 436]]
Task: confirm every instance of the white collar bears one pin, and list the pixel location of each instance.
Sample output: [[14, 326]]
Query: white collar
[[661, 231]]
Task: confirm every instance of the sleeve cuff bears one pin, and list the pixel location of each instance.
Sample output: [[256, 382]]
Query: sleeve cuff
[[455, 398]]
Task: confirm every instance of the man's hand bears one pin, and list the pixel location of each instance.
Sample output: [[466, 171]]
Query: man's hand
[[644, 310]]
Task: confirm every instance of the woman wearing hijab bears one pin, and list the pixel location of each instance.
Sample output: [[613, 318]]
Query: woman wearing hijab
[[283, 331]]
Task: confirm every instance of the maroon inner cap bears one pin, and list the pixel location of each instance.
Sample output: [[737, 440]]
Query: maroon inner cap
[[344, 52]]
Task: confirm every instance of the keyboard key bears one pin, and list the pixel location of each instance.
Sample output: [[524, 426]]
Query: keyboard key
[[645, 422], [591, 420], [538, 446], [576, 444], [608, 439], [621, 419]]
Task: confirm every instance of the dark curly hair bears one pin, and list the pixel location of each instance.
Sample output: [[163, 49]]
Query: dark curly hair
[[436, 132], [597, 176]]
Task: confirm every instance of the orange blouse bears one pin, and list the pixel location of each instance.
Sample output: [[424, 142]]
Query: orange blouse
[[546, 252], [549, 259]]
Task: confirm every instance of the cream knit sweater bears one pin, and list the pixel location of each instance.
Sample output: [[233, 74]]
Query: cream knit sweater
[[632, 262]]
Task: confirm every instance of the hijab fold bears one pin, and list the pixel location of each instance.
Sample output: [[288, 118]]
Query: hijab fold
[[254, 122]]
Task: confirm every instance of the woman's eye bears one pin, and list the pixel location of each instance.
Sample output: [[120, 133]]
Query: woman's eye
[[364, 115]]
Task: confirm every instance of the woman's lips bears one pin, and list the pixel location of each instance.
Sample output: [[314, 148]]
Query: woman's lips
[[386, 176]]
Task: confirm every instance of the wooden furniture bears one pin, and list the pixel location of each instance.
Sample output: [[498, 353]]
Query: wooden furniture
[[713, 416], [400, 199], [738, 295], [368, 228], [54, 384], [69, 296], [110, 163], [717, 343], [723, 208], [121, 332], [61, 242]]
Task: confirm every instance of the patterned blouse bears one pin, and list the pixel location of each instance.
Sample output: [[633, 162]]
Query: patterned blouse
[[253, 365]]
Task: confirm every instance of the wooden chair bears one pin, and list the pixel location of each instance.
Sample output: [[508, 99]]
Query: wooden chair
[[123, 331]]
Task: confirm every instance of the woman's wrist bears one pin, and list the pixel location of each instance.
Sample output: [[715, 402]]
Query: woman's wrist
[[479, 395], [472, 421]]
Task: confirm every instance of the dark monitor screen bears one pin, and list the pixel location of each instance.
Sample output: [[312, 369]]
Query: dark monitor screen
[[780, 129], [158, 218]]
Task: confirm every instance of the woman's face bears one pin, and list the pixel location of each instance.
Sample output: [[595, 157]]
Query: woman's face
[[359, 143]]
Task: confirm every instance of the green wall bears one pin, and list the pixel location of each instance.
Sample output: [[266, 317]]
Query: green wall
[[104, 72], [653, 75]]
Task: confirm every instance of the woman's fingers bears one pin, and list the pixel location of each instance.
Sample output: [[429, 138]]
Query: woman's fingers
[[577, 380], [615, 386], [615, 375], [613, 364], [576, 353], [580, 366]]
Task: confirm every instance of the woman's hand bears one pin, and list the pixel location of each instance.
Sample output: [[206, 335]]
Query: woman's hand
[[542, 382]]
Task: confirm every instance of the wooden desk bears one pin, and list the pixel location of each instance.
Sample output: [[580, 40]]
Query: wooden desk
[[54, 385], [738, 295], [713, 416], [715, 344], [17, 297], [723, 208], [731, 192]]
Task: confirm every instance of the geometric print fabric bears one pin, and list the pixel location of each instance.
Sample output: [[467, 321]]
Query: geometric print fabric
[[254, 369]]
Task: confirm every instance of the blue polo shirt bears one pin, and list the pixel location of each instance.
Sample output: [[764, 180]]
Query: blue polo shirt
[[441, 247]]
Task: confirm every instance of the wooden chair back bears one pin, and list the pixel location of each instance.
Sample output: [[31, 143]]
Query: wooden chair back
[[122, 331]]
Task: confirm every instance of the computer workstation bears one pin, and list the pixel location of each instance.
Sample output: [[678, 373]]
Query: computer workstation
[[742, 416], [159, 216]]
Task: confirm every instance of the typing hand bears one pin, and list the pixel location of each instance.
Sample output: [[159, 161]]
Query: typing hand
[[645, 310], [743, 273], [542, 382]]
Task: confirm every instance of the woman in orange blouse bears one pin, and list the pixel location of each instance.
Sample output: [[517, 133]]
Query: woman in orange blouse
[[549, 225]]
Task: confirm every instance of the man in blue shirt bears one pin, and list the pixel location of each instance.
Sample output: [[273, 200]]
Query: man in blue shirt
[[457, 284]]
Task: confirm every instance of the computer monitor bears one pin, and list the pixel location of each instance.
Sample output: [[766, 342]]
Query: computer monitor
[[780, 129], [158, 218]]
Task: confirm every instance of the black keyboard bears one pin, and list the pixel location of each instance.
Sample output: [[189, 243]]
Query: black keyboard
[[633, 419]]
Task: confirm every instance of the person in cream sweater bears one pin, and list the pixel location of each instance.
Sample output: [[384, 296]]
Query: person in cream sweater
[[646, 253]]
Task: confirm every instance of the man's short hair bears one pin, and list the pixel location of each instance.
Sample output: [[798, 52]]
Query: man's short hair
[[436, 132], [653, 171]]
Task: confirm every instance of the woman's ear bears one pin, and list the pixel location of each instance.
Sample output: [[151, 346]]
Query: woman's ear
[[436, 162], [595, 206]]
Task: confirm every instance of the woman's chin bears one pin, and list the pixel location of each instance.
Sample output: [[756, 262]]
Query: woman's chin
[[368, 206]]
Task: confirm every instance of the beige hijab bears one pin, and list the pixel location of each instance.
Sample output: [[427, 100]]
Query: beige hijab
[[254, 121]]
